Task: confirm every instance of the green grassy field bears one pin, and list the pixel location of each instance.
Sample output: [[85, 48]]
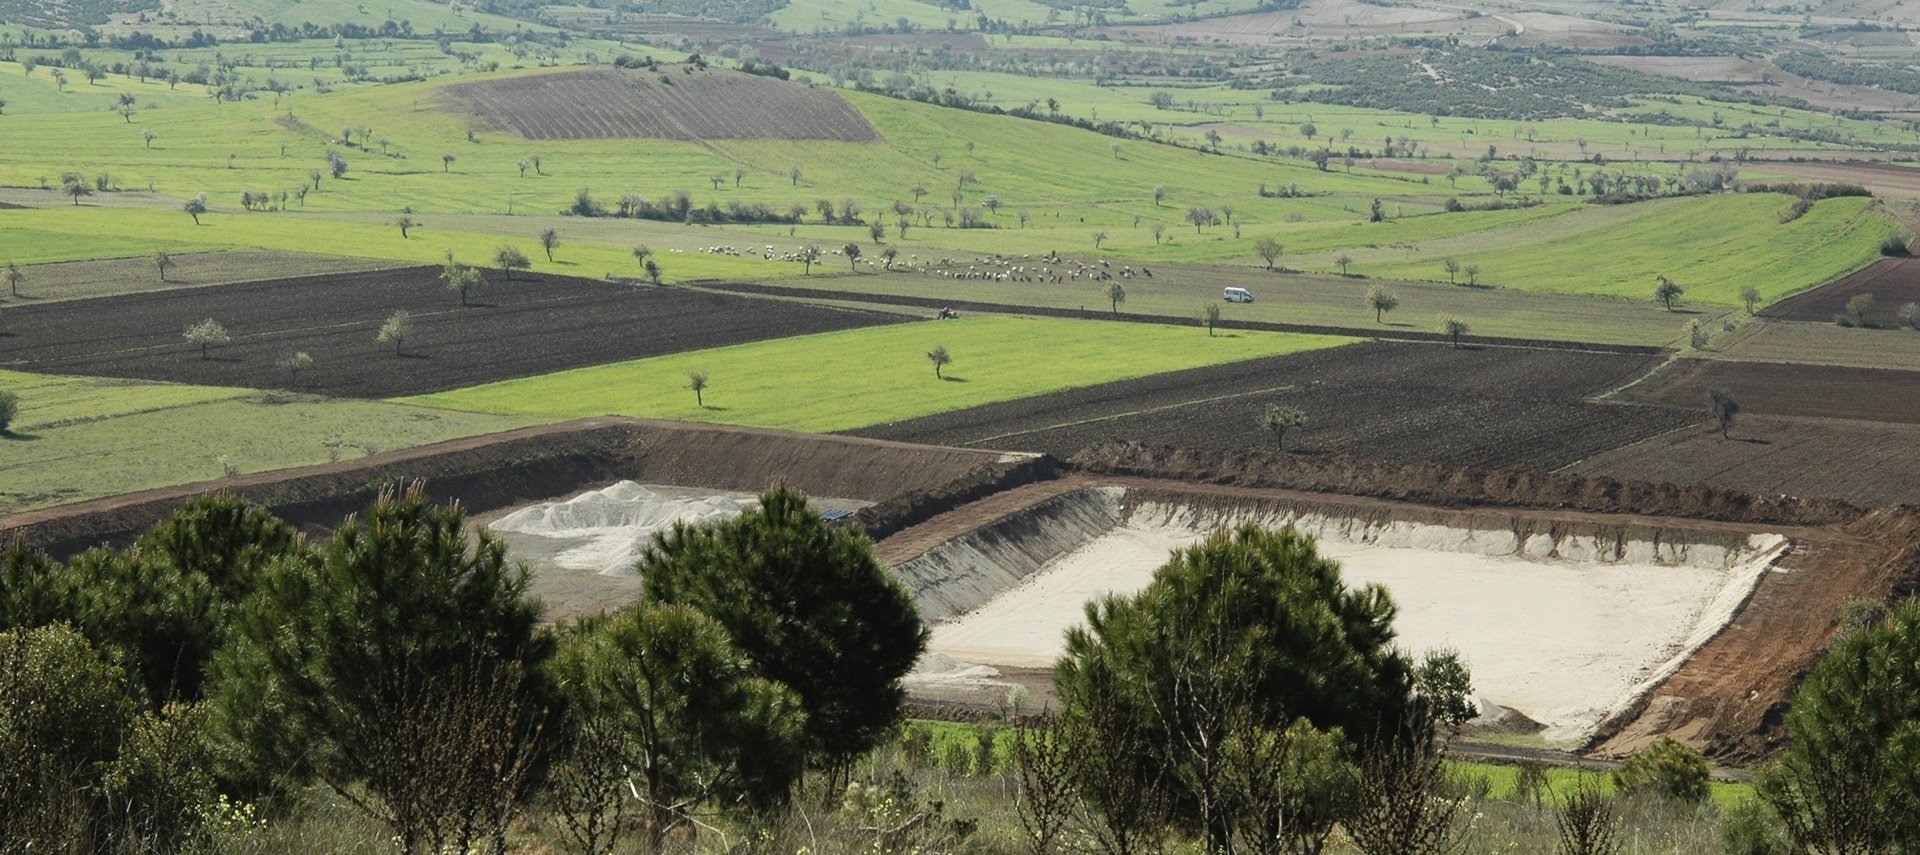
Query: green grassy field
[[845, 380], [79, 280], [80, 438], [1072, 185]]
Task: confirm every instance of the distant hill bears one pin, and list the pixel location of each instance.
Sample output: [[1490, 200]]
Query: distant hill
[[68, 14]]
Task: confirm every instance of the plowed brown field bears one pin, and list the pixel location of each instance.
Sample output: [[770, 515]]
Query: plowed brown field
[[1773, 389], [533, 325], [1892, 282], [1476, 406], [674, 103]]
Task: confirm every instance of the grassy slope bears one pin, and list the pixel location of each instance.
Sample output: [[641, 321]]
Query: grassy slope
[[839, 381], [82, 438], [1070, 183]]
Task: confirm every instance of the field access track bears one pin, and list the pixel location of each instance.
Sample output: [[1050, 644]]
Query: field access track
[[533, 325], [1480, 406]]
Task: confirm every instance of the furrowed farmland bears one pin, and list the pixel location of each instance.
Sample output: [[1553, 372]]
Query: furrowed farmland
[[809, 425]]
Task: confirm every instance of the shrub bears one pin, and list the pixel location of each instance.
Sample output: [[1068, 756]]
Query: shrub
[[1895, 246], [1749, 827], [9, 409], [1668, 769]]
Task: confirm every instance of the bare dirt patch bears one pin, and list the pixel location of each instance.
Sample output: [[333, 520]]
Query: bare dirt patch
[[1893, 282], [673, 103], [1774, 389], [533, 325], [1490, 406]]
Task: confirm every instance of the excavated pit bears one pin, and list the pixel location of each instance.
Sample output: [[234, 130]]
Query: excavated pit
[[1568, 622]]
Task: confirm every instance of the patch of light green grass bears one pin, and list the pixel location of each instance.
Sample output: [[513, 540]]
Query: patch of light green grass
[[48, 400], [846, 380], [123, 448]]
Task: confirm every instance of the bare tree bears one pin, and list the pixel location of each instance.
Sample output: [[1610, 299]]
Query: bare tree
[[697, 381], [1269, 250], [162, 262], [1750, 297], [1343, 261], [1211, 317], [1473, 274], [148, 136], [1116, 294], [1201, 216], [1723, 407], [793, 175], [1098, 239], [548, 240], [1453, 268], [206, 334], [397, 327], [1158, 229], [808, 255], [1453, 328], [940, 359], [14, 278]]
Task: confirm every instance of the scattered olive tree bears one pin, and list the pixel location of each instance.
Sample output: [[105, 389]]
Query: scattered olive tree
[[1723, 407], [940, 359], [395, 329], [206, 334], [1381, 300], [697, 381], [1277, 420]]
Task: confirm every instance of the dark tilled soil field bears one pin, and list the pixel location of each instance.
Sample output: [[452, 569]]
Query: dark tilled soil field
[[1893, 282], [1476, 406], [675, 103], [1773, 389], [533, 325]]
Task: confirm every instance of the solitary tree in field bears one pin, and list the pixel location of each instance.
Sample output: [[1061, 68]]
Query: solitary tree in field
[[148, 136], [195, 207], [1157, 229], [1860, 306], [336, 165], [206, 334], [1381, 300], [1115, 296], [1211, 317], [1159, 193], [1343, 261], [162, 262], [739, 175], [14, 278], [509, 259], [697, 381], [1453, 268], [940, 359], [1453, 328], [397, 327], [294, 363], [1279, 420], [808, 255], [1722, 406], [1269, 250], [74, 185], [1098, 239], [313, 176], [461, 279], [1473, 274], [548, 240], [406, 224], [1750, 297], [852, 251], [653, 270], [446, 162], [793, 176], [1666, 291]]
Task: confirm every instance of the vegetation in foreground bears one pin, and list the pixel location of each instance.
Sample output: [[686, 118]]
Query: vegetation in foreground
[[225, 685]]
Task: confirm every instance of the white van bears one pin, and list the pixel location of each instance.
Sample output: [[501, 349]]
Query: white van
[[1237, 295]]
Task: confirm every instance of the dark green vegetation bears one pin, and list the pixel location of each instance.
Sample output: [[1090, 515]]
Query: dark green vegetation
[[401, 665]]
